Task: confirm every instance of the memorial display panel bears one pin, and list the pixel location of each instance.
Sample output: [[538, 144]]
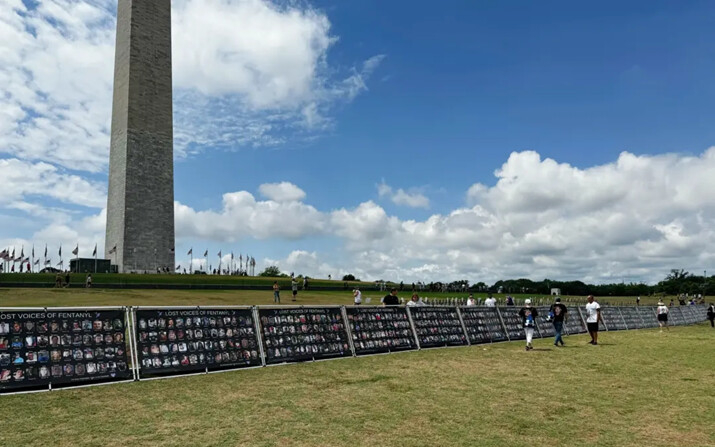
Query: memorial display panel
[[693, 314], [544, 325], [675, 316], [306, 333], [574, 322], [380, 329], [687, 313], [189, 340], [438, 326], [512, 322], [613, 319], [482, 324], [631, 317], [648, 318], [40, 348]]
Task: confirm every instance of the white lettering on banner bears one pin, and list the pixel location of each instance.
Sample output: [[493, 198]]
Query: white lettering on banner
[[44, 315]]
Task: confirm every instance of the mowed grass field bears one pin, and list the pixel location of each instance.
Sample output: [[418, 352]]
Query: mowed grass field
[[642, 388], [47, 297]]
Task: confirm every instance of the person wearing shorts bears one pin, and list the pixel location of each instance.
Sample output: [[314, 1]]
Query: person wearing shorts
[[593, 316], [662, 311]]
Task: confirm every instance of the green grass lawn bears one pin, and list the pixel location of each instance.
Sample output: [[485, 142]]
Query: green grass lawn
[[638, 388], [47, 297]]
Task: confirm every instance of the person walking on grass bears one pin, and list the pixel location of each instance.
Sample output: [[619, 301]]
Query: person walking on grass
[[662, 311], [294, 288], [711, 314], [593, 317], [558, 311], [276, 292], [528, 316], [88, 283]]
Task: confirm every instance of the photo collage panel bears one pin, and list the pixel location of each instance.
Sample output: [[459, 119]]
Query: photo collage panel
[[483, 324], [513, 323], [39, 348], [293, 335], [631, 317], [171, 341], [574, 322], [612, 317], [438, 326], [380, 329], [647, 314]]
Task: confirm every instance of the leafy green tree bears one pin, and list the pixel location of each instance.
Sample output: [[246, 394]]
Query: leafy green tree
[[272, 271]]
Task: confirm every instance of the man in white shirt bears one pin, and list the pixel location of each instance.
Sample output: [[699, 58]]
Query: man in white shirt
[[593, 316], [490, 302], [470, 301], [357, 296]]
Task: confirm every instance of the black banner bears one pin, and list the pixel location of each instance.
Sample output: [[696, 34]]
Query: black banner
[[675, 316], [483, 324], [612, 318], [380, 329], [61, 348], [513, 323], [574, 322], [307, 333], [175, 341], [648, 318], [438, 326], [631, 317], [544, 322]]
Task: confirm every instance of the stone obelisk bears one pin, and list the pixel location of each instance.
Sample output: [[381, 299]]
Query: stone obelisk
[[140, 202]]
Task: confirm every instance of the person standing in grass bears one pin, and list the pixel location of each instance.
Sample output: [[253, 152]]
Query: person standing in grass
[[294, 288], [88, 284], [276, 292], [559, 317], [711, 314], [470, 301], [593, 317], [391, 299], [357, 296], [528, 316]]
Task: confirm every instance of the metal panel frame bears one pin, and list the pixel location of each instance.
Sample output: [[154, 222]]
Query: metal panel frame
[[206, 368], [389, 351], [69, 386]]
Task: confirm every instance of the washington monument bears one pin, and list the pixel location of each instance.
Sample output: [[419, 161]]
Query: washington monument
[[140, 201]]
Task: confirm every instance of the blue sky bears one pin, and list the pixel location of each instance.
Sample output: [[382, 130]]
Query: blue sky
[[605, 104]]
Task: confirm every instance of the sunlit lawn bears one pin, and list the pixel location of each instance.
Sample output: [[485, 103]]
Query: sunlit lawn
[[641, 388]]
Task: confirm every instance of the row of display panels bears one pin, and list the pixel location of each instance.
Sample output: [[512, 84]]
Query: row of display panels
[[49, 348]]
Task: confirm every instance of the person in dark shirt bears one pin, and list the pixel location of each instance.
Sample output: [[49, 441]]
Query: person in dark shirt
[[558, 312], [528, 316], [391, 299]]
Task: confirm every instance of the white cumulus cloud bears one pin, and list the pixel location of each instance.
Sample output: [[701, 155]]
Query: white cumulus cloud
[[281, 192], [403, 198]]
